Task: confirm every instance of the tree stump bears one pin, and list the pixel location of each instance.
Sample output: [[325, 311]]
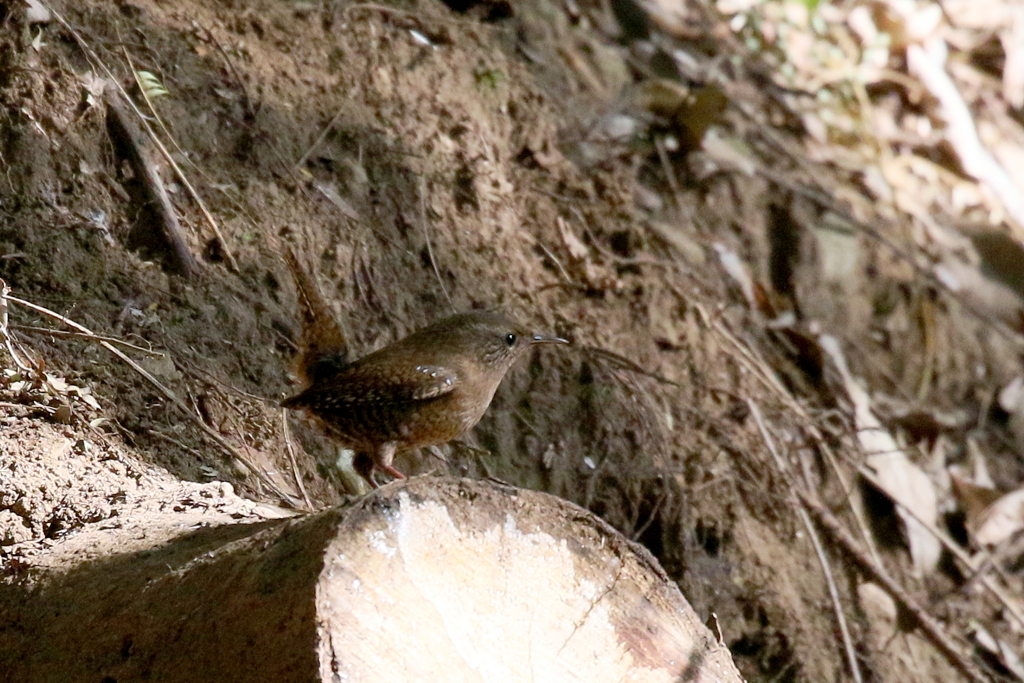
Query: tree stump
[[428, 579]]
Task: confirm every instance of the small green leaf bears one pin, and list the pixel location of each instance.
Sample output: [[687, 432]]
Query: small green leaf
[[151, 85]]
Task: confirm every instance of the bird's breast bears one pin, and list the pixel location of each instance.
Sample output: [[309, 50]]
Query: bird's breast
[[442, 419]]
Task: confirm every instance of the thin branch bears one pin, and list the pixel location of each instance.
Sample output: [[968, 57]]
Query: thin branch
[[170, 439], [23, 365], [554, 259], [426, 235], [623, 363], [670, 173], [929, 626], [760, 369], [149, 103], [228, 255], [249, 109], [128, 142], [27, 406], [837, 605], [61, 334], [952, 546], [167, 393], [298, 167], [290, 448]]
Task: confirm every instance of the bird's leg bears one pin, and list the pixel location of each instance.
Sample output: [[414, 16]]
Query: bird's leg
[[362, 463], [393, 472], [384, 455]]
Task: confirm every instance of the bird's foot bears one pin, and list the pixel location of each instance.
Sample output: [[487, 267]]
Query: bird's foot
[[392, 471]]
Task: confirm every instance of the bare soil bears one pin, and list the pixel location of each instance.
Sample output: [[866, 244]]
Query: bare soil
[[421, 161]]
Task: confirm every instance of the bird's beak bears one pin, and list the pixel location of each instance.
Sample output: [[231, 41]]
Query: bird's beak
[[541, 339]]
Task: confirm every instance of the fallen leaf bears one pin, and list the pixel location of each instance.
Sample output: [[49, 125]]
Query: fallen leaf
[[573, 244], [37, 13], [974, 500], [900, 479], [1001, 520]]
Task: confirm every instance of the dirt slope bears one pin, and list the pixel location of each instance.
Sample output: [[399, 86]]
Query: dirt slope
[[421, 161]]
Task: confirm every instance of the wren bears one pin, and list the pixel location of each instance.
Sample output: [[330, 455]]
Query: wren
[[429, 388]]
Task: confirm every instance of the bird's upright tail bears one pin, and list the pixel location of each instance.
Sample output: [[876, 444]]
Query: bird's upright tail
[[323, 349]]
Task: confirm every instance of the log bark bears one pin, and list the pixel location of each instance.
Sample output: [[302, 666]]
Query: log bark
[[430, 579]]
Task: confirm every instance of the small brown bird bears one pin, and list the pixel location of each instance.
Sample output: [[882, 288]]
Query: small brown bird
[[426, 389]]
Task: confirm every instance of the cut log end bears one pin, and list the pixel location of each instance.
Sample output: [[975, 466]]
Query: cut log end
[[429, 579], [440, 579]]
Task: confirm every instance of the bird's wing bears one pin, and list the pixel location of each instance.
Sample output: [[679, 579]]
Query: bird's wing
[[372, 383], [436, 380]]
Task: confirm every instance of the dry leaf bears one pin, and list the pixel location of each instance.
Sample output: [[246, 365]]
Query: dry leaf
[[1001, 520], [1010, 395], [37, 13], [737, 270], [981, 293], [901, 480], [877, 603], [1013, 69], [974, 500], [998, 648], [573, 244]]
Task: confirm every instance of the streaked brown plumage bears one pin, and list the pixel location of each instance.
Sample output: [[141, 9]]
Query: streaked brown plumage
[[425, 389]]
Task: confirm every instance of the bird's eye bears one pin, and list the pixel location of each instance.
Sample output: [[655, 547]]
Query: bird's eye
[[510, 339]]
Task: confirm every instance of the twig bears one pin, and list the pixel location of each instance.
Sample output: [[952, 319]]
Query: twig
[[670, 174], [126, 138], [61, 334], [152, 109], [383, 9], [250, 110], [623, 363], [33, 406], [426, 236], [221, 188], [837, 605], [319, 139], [636, 534], [5, 334], [554, 259], [176, 442], [189, 368], [228, 255], [930, 628], [902, 480], [759, 369], [291, 457], [955, 548], [167, 393], [848, 492]]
